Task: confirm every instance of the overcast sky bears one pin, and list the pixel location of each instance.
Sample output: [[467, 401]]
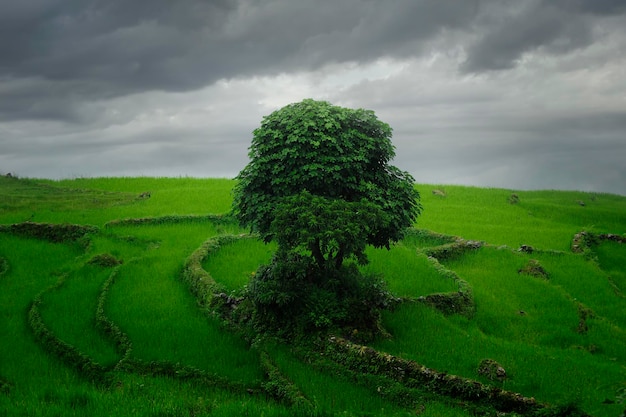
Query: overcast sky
[[520, 94]]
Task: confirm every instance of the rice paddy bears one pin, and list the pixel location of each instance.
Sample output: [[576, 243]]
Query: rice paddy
[[104, 325]]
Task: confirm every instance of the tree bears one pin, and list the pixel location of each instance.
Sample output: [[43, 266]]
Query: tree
[[319, 182]]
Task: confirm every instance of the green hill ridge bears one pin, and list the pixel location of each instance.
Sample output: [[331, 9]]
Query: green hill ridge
[[511, 302]]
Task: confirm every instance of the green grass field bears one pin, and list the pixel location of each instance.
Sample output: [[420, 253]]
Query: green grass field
[[127, 337]]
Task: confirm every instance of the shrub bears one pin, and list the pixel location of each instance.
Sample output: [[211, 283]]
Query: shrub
[[534, 268], [453, 250], [56, 233], [291, 296], [5, 386], [105, 260], [4, 266], [492, 370]]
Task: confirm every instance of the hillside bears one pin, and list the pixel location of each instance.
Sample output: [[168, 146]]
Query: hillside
[[106, 289]]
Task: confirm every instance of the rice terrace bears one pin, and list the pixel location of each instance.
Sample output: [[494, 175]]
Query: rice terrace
[[116, 299]]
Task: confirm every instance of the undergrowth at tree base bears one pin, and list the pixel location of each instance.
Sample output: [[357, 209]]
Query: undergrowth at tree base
[[291, 298]]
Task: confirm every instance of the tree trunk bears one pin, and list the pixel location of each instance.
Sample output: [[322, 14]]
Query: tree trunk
[[317, 254], [339, 258]]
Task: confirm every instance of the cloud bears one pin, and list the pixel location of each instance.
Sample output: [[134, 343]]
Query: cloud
[[513, 29], [59, 53], [525, 94], [98, 50]]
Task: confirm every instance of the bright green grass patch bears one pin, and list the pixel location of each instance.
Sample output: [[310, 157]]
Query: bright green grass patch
[[120, 246], [457, 345], [33, 200], [33, 267], [164, 324], [420, 238], [612, 259], [486, 214], [575, 307], [517, 306], [161, 317], [600, 211], [83, 200], [40, 385], [69, 311], [233, 264], [587, 284], [134, 395], [167, 196], [407, 273], [330, 394]]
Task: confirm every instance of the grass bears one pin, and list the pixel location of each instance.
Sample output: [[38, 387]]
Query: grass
[[407, 273], [235, 262], [160, 315], [96, 201], [74, 322], [561, 338], [29, 371], [612, 258], [542, 219], [549, 374]]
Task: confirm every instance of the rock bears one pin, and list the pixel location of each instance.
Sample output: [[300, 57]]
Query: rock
[[440, 193], [105, 260], [534, 268], [492, 370], [526, 249]]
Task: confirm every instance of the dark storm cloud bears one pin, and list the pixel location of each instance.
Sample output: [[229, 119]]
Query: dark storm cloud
[[514, 28], [141, 44], [86, 50], [57, 54], [123, 46], [481, 92]]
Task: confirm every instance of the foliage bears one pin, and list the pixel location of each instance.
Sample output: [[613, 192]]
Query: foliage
[[327, 229], [200, 282], [56, 233], [320, 184], [291, 295], [333, 161], [161, 220], [105, 260]]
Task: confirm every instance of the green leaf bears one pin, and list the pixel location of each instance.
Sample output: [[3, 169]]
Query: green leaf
[[341, 157]]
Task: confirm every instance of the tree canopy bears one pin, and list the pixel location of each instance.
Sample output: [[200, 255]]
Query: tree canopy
[[319, 182]]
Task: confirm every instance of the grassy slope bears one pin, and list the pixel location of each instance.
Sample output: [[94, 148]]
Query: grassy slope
[[543, 351]]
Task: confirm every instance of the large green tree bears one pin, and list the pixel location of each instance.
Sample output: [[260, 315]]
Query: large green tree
[[319, 182]]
